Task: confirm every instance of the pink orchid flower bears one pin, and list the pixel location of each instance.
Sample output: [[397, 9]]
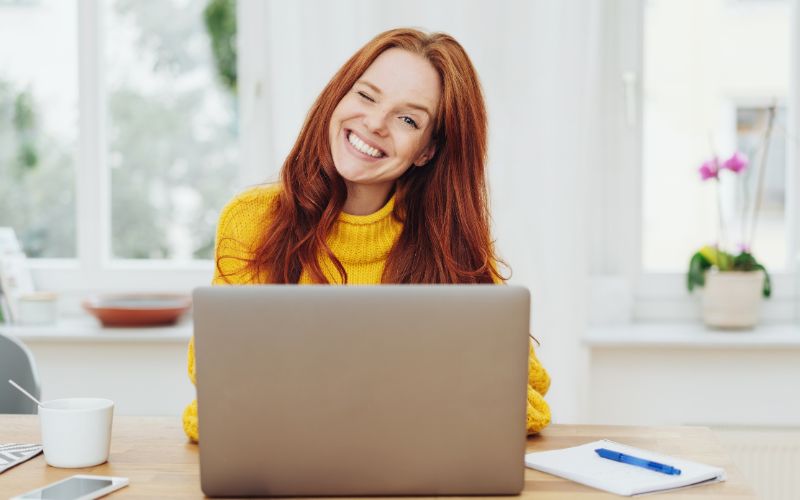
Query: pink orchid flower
[[710, 169], [736, 163]]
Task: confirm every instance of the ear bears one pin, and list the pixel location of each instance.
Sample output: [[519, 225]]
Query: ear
[[426, 155]]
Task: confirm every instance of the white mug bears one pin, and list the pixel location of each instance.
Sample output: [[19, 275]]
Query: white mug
[[37, 308], [76, 432]]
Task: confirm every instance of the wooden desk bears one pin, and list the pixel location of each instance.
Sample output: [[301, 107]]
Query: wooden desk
[[155, 455]]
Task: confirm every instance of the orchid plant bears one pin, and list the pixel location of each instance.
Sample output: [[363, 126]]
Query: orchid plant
[[712, 256]]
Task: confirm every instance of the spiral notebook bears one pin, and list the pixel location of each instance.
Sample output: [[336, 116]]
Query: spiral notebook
[[582, 465], [12, 454]]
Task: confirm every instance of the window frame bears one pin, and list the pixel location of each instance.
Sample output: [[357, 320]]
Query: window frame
[[94, 270], [620, 290]]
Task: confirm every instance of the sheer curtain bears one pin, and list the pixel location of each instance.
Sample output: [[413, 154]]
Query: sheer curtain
[[538, 65], [544, 100]]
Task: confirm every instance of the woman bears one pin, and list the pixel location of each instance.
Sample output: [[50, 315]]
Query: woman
[[385, 184]]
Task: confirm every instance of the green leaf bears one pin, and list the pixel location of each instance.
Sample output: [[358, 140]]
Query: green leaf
[[697, 269], [767, 290], [745, 262], [716, 257], [724, 261]]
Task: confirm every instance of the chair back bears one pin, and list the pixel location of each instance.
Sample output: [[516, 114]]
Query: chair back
[[17, 363]]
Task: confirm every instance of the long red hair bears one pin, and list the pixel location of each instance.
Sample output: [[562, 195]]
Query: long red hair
[[443, 205]]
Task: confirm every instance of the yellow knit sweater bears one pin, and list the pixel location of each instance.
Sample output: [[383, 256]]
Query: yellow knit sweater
[[361, 243]]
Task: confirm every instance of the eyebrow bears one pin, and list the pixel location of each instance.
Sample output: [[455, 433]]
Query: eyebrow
[[412, 105]]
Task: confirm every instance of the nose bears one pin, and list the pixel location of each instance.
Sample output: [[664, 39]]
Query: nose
[[375, 121]]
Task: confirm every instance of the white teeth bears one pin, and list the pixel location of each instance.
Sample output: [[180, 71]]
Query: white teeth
[[361, 146]]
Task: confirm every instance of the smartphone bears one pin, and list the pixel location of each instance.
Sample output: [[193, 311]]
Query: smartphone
[[79, 487]]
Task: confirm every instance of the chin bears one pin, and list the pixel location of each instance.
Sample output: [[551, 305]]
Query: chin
[[354, 174]]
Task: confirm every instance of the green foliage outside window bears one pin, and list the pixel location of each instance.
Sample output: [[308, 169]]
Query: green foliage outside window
[[25, 125], [173, 147], [172, 143], [220, 19], [37, 177]]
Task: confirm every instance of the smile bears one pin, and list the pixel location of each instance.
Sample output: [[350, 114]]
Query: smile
[[362, 147]]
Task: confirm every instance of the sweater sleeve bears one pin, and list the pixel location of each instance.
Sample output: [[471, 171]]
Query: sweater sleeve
[[538, 384], [538, 414], [237, 228]]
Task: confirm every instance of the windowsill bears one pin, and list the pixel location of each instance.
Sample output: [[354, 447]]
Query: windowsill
[[691, 335], [88, 329], [637, 335]]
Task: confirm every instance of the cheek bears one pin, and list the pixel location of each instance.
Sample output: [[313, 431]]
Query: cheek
[[347, 108], [339, 114], [335, 119], [411, 145]]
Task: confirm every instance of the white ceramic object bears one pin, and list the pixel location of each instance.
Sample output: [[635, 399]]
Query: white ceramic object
[[76, 432], [38, 308], [732, 299]]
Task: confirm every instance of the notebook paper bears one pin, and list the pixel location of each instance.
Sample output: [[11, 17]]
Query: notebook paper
[[582, 465]]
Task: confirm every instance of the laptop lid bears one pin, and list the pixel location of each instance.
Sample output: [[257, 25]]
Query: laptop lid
[[361, 390]]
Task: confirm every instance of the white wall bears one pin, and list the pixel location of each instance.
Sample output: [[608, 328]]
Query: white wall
[[537, 65], [141, 377]]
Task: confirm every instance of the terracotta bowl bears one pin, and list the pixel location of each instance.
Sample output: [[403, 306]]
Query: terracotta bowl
[[137, 309]]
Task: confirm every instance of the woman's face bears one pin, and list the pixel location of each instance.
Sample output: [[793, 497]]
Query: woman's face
[[383, 125]]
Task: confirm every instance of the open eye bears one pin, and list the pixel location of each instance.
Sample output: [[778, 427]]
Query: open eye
[[409, 121]]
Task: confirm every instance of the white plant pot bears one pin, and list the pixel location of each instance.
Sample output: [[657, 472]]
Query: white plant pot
[[732, 299]]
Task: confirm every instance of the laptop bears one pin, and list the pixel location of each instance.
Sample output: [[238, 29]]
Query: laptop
[[361, 390]]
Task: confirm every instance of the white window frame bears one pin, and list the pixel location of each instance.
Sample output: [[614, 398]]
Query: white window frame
[[621, 292], [93, 270]]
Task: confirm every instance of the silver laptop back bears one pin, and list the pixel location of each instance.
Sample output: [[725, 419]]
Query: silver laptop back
[[361, 390]]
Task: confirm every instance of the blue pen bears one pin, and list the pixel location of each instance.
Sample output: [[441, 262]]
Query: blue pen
[[639, 462]]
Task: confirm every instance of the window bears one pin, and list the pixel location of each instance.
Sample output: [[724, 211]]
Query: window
[[119, 138], [38, 124], [710, 72], [684, 81], [172, 131]]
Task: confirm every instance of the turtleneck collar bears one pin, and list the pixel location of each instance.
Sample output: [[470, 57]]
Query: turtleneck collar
[[365, 239], [381, 214]]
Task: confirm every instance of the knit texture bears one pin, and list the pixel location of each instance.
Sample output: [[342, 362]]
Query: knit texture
[[361, 243]]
